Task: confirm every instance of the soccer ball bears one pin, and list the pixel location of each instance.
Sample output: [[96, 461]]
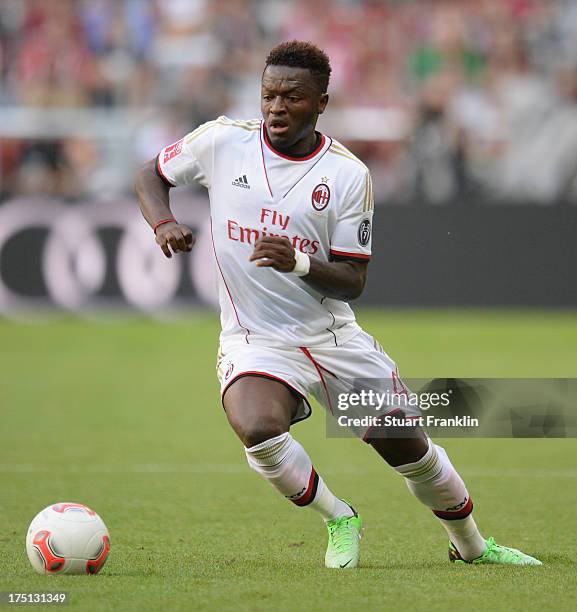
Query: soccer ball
[[67, 538]]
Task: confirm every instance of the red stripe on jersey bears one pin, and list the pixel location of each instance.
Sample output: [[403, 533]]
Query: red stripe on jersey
[[264, 167], [322, 367], [319, 368], [247, 334], [362, 256]]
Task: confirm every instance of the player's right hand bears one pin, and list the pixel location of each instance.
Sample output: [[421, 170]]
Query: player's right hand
[[174, 236]]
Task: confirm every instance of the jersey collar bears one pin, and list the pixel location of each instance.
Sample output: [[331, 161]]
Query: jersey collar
[[316, 152]]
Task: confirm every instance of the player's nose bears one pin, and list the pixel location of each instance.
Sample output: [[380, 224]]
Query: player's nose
[[277, 105]]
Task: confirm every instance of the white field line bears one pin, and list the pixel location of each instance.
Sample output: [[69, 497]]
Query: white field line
[[240, 468], [139, 468]]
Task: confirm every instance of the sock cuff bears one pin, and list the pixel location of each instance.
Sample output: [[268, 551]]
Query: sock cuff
[[271, 451], [459, 511], [427, 467]]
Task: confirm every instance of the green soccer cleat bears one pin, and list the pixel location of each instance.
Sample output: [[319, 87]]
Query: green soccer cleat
[[344, 538], [495, 553]]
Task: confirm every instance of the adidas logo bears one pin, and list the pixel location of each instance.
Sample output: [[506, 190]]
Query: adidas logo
[[241, 182]]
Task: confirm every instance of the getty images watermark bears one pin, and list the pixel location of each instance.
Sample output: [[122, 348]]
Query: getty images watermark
[[392, 403], [397, 410], [450, 407]]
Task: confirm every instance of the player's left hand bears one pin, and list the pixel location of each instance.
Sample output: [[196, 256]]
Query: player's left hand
[[274, 252]]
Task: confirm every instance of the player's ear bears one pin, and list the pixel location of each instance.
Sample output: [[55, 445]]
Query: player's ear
[[323, 101]]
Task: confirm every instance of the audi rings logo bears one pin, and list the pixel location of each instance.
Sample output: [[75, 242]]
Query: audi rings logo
[[67, 260]]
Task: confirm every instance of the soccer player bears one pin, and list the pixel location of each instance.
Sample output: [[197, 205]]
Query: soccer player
[[291, 213]]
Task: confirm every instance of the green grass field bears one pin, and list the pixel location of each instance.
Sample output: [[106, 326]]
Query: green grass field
[[125, 417]]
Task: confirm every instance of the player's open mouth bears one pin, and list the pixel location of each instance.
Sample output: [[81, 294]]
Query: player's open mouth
[[278, 128]]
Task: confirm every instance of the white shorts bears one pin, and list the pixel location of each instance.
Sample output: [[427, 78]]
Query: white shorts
[[322, 372]]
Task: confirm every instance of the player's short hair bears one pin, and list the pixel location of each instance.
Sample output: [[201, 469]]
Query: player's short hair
[[301, 54]]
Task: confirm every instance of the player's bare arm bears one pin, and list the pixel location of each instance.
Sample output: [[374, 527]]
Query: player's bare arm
[[153, 195], [340, 280]]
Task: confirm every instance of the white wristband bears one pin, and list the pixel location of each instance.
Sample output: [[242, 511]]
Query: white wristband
[[303, 263]]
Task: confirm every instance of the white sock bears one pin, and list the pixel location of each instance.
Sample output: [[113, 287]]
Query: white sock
[[434, 481], [465, 535], [288, 468]]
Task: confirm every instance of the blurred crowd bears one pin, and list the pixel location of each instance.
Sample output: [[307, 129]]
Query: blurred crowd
[[484, 92]]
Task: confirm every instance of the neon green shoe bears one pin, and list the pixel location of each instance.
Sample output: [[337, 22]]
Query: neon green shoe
[[495, 553], [344, 538]]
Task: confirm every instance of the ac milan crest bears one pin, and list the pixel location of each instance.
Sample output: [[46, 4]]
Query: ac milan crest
[[321, 196]]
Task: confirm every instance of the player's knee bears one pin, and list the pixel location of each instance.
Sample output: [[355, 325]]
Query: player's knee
[[394, 454], [396, 450], [255, 433]]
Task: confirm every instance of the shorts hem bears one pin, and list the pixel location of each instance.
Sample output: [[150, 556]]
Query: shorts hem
[[290, 387]]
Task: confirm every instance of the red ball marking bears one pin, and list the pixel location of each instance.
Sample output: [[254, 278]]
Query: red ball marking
[[61, 508], [52, 562], [95, 565]]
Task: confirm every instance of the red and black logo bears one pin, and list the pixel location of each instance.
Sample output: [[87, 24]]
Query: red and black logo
[[458, 506], [321, 196]]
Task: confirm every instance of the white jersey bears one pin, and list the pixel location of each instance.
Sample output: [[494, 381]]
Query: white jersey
[[323, 203]]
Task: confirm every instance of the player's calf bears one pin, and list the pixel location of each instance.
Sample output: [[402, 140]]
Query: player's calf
[[260, 411], [433, 480], [288, 468]]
